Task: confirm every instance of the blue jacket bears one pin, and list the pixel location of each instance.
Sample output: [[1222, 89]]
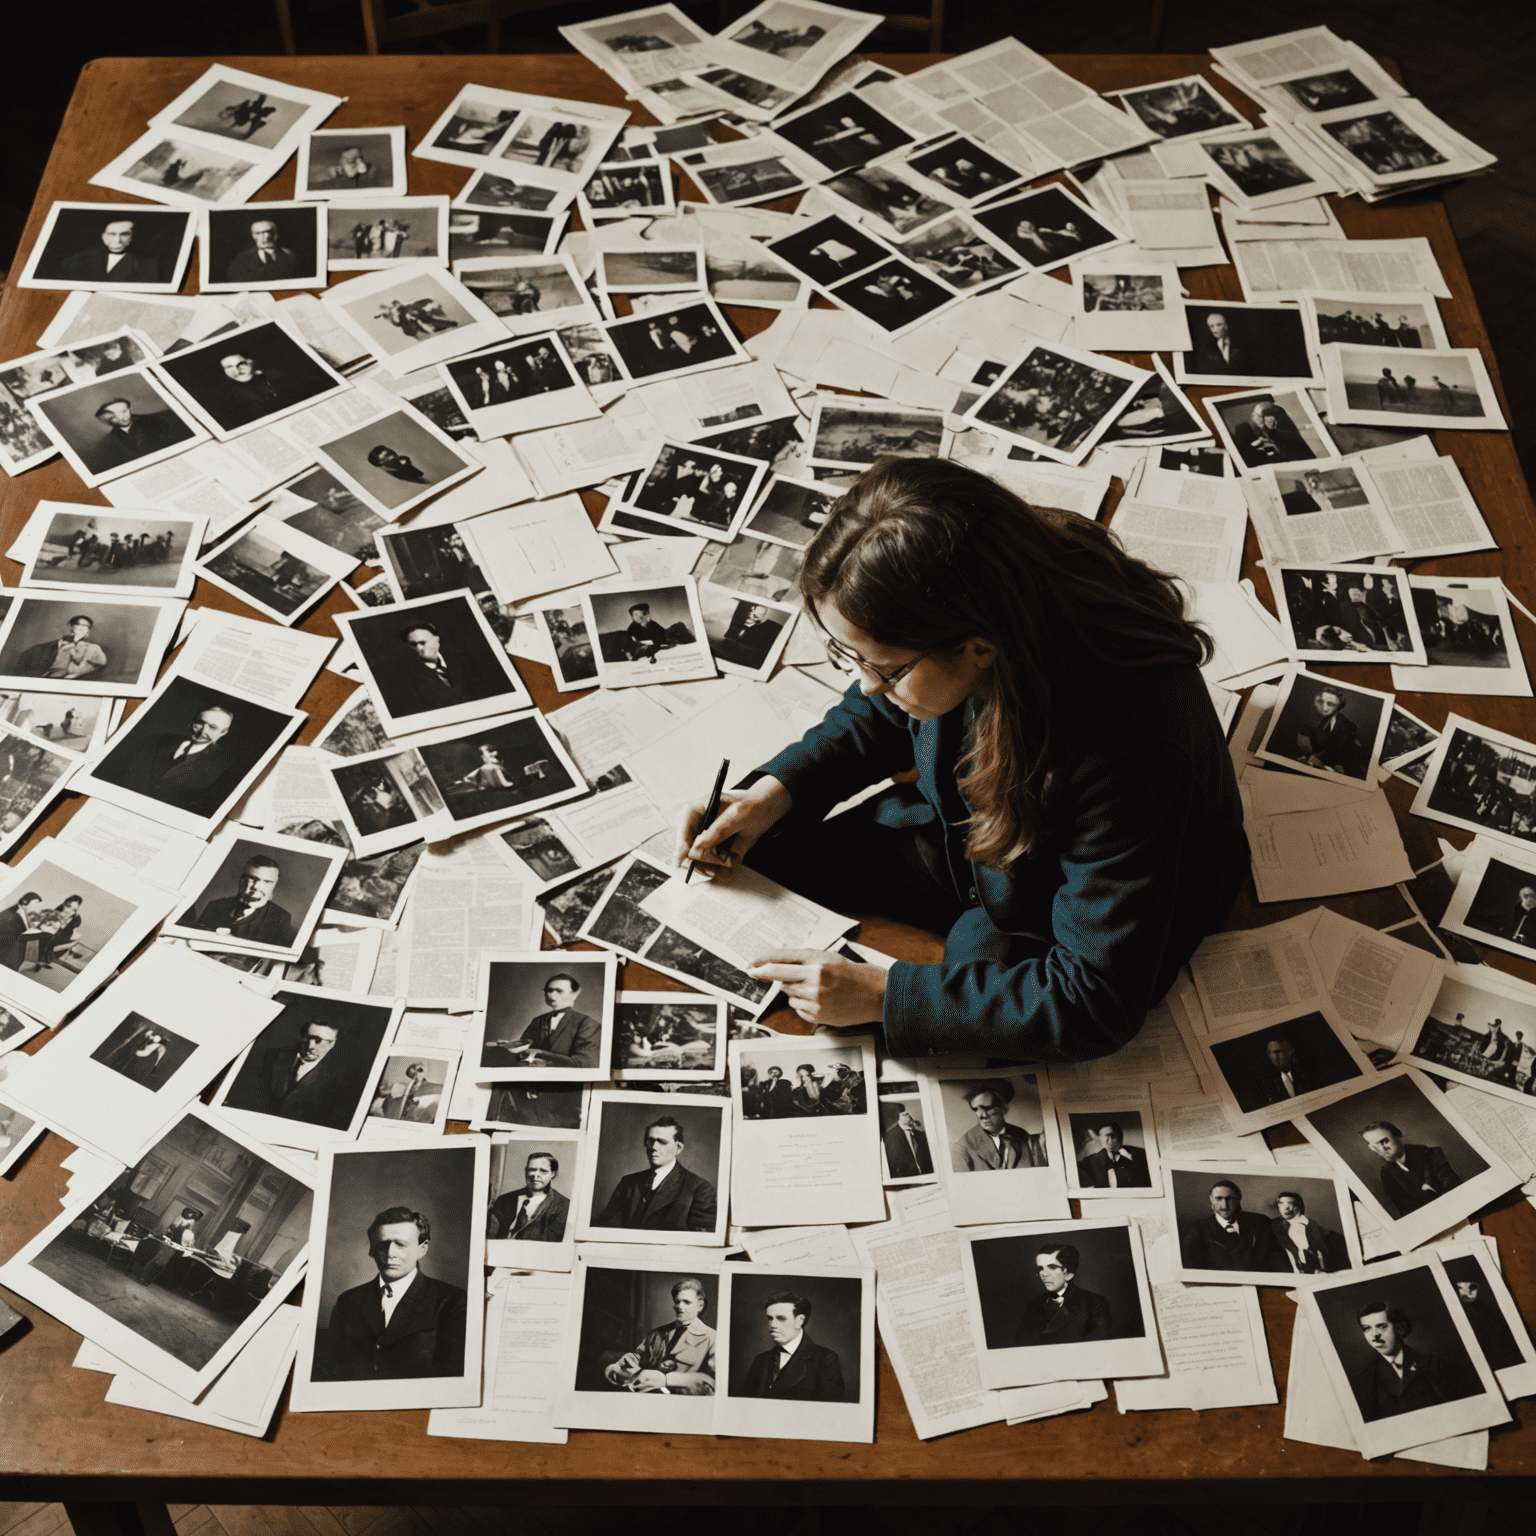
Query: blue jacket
[[1060, 957]]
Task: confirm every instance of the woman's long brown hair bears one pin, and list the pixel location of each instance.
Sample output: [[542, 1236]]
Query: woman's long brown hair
[[924, 552]]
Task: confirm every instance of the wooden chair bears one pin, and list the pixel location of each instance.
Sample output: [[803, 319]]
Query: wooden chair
[[429, 18]]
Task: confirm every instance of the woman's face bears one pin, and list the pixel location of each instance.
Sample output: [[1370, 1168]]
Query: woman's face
[[936, 685]]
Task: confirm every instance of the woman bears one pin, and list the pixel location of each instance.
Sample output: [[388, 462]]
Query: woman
[[806, 1098], [58, 942], [1075, 827]]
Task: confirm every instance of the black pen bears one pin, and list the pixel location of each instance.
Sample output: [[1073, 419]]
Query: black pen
[[711, 810]]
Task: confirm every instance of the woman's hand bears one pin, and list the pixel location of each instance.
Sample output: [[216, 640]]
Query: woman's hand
[[823, 988], [745, 815]]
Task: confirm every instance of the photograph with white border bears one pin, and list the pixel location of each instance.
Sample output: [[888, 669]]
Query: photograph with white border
[[1480, 779], [1495, 897], [1469, 636], [519, 386], [412, 315], [69, 545], [1449, 388], [1480, 1030], [343, 162], [396, 461], [221, 103], [1348, 613], [668, 1037], [1188, 107], [262, 248], [542, 1018], [276, 569], [115, 248], [647, 633], [186, 171], [410, 1099], [534, 1176], [376, 234], [1261, 427], [530, 293], [1110, 1148], [1330, 730]]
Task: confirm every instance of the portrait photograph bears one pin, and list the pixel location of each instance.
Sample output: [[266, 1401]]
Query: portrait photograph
[[1480, 1030], [276, 569], [258, 892], [1500, 1331], [665, 343], [307, 1078], [1342, 613], [1270, 426], [1495, 897], [109, 427], [668, 1036], [387, 800], [173, 1263], [790, 511], [519, 387], [894, 296], [433, 662], [1259, 169], [1410, 321], [410, 1097], [470, 126], [1402, 1357], [529, 294], [1246, 344], [31, 774], [534, 1175], [641, 1352], [338, 162], [1469, 636], [960, 168], [648, 634], [179, 169], [657, 1169], [392, 1303], [1158, 412], [247, 109], [100, 246], [189, 753], [413, 315], [746, 637], [700, 489], [544, 1020], [108, 646], [262, 247], [1447, 388], [137, 554], [1241, 1223], [1475, 778], [1060, 1303], [1181, 109], [396, 461], [798, 1353], [1048, 228], [1110, 1150], [1330, 730], [906, 1154], [1264, 1073], [371, 235], [1407, 1155], [842, 132]]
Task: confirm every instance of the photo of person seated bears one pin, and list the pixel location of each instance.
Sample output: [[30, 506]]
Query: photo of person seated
[[1412, 1176], [562, 1036], [676, 1357], [1114, 1165], [251, 913]]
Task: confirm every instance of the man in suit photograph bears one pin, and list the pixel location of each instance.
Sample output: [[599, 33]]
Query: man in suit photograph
[[16, 928], [1333, 742], [1114, 1165], [1065, 1313], [664, 1197], [112, 259], [193, 771], [678, 1357], [1217, 351], [906, 1147], [536, 1213], [1230, 1237], [562, 1037], [130, 435], [993, 1142], [793, 1368], [775, 1097], [1310, 1247], [1283, 1076], [1412, 1176], [752, 633], [1520, 926], [250, 914], [305, 1082], [266, 259], [249, 391], [73, 655], [1399, 1378], [430, 680], [404, 1324]]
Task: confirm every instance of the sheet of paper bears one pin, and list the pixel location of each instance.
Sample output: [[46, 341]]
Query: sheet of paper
[[1380, 987], [538, 547], [1280, 269], [831, 1244], [272, 664], [1194, 1125], [134, 844], [1215, 1348], [1313, 854], [1156, 1054], [1247, 974], [1197, 545]]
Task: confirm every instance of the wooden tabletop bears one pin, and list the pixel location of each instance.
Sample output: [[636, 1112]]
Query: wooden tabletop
[[58, 1439]]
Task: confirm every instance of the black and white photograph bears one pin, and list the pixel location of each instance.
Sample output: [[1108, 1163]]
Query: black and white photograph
[[262, 893], [474, 236], [497, 768], [371, 892], [173, 1263], [851, 432], [1182, 109], [184, 171], [1049, 228], [1495, 898], [189, 753], [432, 662], [373, 235], [697, 488], [1252, 1223], [1246, 344], [72, 720], [1469, 636], [15, 1030], [262, 247], [534, 1176], [1110, 1149], [519, 387], [338, 162], [620, 191], [544, 1019], [1406, 321], [1483, 780], [275, 568], [396, 461], [32, 772], [898, 206], [651, 267], [534, 846], [1057, 400], [1269, 426], [756, 179], [831, 1083], [318, 504], [413, 315], [627, 38], [745, 636], [388, 800], [1447, 388], [798, 1349], [962, 169], [1195, 461], [109, 646], [18, 1132], [530, 293], [559, 143], [247, 109], [960, 255], [1402, 1356], [392, 1302], [790, 511], [112, 426], [829, 251], [1407, 738], [842, 132], [668, 1037], [146, 554], [665, 343], [427, 562], [1330, 730], [1159, 412], [796, 39], [1260, 169], [1323, 92], [572, 664], [658, 1169], [1130, 307], [1409, 1157], [307, 1078], [1384, 142], [641, 1353], [906, 1153], [1497, 1326], [648, 634], [1303, 491], [470, 125], [596, 361], [1480, 1030], [541, 1106], [1342, 613], [124, 248], [1062, 1303], [894, 296], [494, 191]]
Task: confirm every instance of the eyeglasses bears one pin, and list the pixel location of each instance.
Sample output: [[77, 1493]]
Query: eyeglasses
[[852, 663]]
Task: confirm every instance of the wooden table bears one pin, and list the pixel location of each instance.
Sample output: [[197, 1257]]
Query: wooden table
[[58, 1440]]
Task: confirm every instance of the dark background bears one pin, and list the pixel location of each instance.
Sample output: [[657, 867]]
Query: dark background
[[1007, 1279], [509, 1163], [177, 1048], [1245, 1064], [384, 652], [298, 230], [621, 1148], [157, 232], [73, 417], [1191, 1193], [834, 1322], [1300, 715], [1498, 894], [1085, 1141], [302, 878], [515, 993], [621, 1306], [270, 347]]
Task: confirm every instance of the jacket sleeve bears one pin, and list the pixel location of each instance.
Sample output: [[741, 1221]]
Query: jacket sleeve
[[860, 742], [829, 1378], [448, 1340], [583, 1047], [1110, 919], [1098, 1320], [702, 1211], [699, 1383]]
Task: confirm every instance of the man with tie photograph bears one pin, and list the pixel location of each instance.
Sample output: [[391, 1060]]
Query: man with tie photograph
[[563, 1036], [429, 680], [536, 1213], [1217, 351], [678, 1357], [665, 1196], [906, 1144], [993, 1142], [305, 1082], [1231, 1238], [1285, 1077], [250, 913], [1115, 1165], [1412, 1176], [405, 1323], [793, 1367], [1399, 1378], [193, 771], [112, 259], [1065, 1313], [266, 259]]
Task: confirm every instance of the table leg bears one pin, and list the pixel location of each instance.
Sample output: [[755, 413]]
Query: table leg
[[119, 1519]]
